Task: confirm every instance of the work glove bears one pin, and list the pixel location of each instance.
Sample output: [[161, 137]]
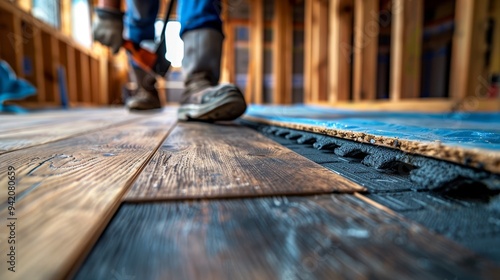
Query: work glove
[[108, 28]]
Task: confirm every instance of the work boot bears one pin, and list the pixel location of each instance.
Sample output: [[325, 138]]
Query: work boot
[[203, 98], [146, 95]]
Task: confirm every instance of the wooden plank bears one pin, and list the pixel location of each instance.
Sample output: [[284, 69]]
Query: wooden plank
[[104, 76], [78, 78], [366, 28], [339, 64], [406, 49], [39, 66], [199, 161], [59, 129], [68, 190], [257, 49], [322, 237], [469, 46], [34, 119]]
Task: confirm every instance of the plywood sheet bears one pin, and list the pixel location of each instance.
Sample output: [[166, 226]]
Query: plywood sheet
[[471, 139], [204, 160], [322, 237], [67, 191]]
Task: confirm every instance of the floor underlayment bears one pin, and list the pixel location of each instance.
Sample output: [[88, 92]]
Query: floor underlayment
[[470, 139], [459, 202]]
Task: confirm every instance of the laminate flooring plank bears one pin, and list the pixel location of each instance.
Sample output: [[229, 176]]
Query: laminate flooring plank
[[304, 237], [10, 122], [59, 129], [66, 192], [201, 160]]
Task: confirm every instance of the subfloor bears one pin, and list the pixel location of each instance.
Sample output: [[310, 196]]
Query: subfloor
[[105, 194]]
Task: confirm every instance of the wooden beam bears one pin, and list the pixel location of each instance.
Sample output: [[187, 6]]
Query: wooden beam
[[495, 54], [308, 18], [319, 48], [227, 63], [32, 58], [25, 5], [469, 47], [50, 62], [48, 182], [71, 74], [11, 49], [95, 81], [366, 29], [406, 49], [340, 62], [66, 24], [257, 49], [283, 52], [85, 77]]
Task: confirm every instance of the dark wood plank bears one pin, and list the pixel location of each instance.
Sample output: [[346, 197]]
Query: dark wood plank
[[36, 132], [204, 160], [321, 237], [67, 191]]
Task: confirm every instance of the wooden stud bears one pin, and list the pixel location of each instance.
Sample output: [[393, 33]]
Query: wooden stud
[[469, 46], [366, 29], [85, 77], [95, 81], [257, 50], [227, 69], [12, 46], [104, 75], [319, 49], [66, 24], [71, 75], [229, 150], [340, 61], [495, 55], [25, 5], [308, 17], [50, 62], [283, 52], [31, 54], [406, 49]]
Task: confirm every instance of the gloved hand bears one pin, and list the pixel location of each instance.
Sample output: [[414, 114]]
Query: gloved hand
[[108, 28]]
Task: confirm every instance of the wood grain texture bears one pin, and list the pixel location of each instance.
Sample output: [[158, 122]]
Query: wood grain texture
[[53, 129], [67, 191], [321, 237], [200, 160], [10, 122]]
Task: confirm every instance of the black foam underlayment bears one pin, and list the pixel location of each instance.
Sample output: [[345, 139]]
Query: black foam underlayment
[[423, 172], [459, 202]]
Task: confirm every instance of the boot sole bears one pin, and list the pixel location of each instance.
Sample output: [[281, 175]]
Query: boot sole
[[226, 109]]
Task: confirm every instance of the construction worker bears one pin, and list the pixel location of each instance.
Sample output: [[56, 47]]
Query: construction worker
[[201, 30]]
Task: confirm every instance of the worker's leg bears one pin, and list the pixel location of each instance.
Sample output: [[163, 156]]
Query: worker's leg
[[139, 22], [203, 98]]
